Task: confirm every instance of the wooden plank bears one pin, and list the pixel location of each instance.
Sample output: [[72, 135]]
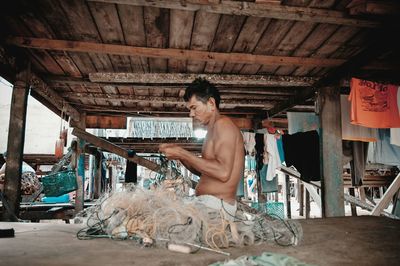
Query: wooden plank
[[60, 82], [108, 122], [306, 49], [247, 41], [313, 193], [257, 10], [109, 27], [181, 24], [225, 37], [181, 111], [335, 42], [41, 28], [160, 99], [77, 13], [131, 18], [331, 144], [108, 146], [167, 78], [156, 23], [366, 206], [273, 35], [15, 147], [74, 46], [296, 35], [387, 197], [204, 28]]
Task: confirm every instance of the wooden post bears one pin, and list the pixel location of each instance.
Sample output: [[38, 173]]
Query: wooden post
[[353, 206], [97, 175], [80, 167], [300, 187], [331, 151], [15, 148], [287, 187]]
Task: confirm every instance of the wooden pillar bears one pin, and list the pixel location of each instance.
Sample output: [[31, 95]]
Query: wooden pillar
[[331, 151], [80, 165], [15, 148], [300, 187], [97, 175], [287, 190], [352, 205]]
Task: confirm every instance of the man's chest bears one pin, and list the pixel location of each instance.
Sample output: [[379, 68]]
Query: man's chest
[[208, 149]]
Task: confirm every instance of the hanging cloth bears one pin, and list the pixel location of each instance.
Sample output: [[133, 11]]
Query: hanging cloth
[[302, 151], [354, 132], [271, 155], [374, 104]]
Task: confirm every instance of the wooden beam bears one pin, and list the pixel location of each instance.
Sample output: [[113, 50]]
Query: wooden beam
[[151, 145], [109, 122], [295, 83], [169, 53], [158, 99], [242, 8], [387, 197], [53, 97], [177, 78], [108, 146]]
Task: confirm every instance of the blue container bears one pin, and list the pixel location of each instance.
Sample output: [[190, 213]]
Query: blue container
[[61, 199]]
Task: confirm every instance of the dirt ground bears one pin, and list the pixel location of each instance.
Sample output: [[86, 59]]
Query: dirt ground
[[361, 240]]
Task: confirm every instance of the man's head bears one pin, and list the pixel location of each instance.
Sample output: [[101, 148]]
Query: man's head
[[203, 90], [202, 99]]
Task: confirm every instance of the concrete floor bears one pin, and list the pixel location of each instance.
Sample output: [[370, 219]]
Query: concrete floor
[[361, 240]]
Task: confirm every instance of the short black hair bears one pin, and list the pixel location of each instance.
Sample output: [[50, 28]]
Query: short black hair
[[203, 90]]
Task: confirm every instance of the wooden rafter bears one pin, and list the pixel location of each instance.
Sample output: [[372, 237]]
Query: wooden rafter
[[108, 146], [225, 97], [178, 54], [218, 80], [176, 78], [159, 99], [53, 97], [241, 8]]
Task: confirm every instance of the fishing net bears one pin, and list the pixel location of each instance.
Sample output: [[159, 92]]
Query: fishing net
[[161, 215]]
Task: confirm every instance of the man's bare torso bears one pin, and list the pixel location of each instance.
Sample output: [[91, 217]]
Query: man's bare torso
[[211, 186]]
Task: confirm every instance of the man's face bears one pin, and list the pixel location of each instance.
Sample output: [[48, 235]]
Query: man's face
[[199, 111]]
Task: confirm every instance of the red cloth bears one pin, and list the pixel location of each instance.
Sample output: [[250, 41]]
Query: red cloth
[[374, 104]]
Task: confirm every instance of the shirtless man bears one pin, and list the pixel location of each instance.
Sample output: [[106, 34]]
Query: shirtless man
[[222, 162]]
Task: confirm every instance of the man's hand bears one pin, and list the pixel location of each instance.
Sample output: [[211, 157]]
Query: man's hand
[[171, 151]]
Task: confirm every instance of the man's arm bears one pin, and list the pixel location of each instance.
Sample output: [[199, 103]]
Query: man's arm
[[189, 167], [219, 167]]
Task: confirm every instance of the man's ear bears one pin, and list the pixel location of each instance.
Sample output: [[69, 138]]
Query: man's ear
[[211, 103]]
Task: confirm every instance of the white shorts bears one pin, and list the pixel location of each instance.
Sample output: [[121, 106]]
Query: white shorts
[[212, 202]]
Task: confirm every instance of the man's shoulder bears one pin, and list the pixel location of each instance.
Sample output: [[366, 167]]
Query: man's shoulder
[[225, 124]]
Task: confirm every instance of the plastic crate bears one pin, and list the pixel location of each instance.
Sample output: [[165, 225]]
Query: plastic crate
[[275, 209], [60, 183]]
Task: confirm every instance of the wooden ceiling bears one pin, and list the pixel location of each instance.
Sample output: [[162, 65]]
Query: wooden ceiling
[[127, 57]]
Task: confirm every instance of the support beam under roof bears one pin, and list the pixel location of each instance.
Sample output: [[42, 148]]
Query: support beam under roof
[[168, 53], [242, 8]]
